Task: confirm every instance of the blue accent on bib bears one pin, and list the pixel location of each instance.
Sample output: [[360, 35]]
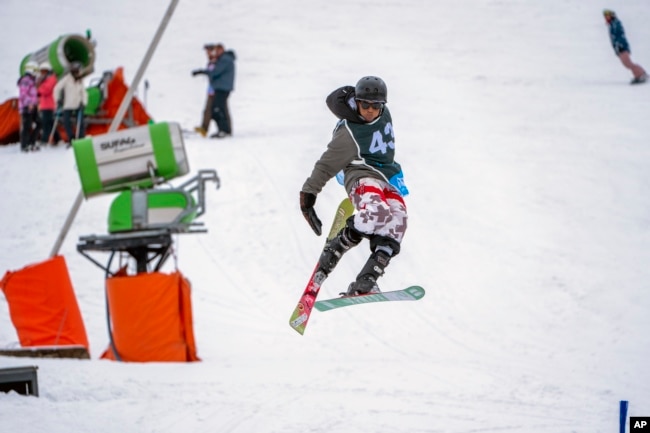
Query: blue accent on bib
[[340, 177], [398, 182]]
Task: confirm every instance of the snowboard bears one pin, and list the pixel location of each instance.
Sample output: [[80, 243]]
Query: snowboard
[[301, 313], [412, 293]]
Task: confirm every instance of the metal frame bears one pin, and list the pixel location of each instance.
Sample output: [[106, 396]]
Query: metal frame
[[23, 380], [145, 247]]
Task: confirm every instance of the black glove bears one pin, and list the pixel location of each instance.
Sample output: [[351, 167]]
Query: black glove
[[307, 201], [198, 72]]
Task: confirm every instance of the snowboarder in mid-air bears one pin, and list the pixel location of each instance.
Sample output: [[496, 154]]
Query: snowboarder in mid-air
[[362, 149], [622, 47]]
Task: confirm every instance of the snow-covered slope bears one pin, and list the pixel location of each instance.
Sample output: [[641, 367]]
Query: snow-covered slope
[[526, 154]]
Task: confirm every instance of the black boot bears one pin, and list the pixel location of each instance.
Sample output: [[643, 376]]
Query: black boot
[[367, 279], [346, 239]]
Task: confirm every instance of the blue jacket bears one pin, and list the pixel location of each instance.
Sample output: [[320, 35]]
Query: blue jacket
[[222, 77], [617, 36]]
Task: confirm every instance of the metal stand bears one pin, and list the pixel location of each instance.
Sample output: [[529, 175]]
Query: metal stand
[[151, 247]]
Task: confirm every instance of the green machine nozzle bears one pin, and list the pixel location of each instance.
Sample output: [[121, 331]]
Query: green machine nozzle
[[62, 52]]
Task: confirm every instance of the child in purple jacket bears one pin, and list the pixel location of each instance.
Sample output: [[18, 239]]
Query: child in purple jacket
[[28, 107]]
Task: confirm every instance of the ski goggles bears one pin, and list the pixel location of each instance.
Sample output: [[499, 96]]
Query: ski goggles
[[367, 104]]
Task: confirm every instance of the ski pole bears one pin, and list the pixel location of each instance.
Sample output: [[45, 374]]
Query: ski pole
[[80, 114], [55, 124]]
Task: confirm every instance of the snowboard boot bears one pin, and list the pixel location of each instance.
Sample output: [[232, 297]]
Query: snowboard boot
[[334, 249], [367, 279], [639, 80]]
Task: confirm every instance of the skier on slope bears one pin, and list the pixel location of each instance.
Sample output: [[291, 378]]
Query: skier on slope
[[622, 47], [363, 148]]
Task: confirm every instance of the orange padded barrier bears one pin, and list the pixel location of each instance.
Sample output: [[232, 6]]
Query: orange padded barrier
[[9, 122], [151, 318], [43, 306]]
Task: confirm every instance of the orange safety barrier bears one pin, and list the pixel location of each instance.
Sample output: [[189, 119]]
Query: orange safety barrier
[[151, 318], [43, 306], [9, 121], [116, 89]]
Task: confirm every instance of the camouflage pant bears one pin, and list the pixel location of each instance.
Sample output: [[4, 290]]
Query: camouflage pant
[[380, 209]]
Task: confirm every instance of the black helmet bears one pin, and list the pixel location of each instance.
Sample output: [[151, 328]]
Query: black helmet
[[371, 89]]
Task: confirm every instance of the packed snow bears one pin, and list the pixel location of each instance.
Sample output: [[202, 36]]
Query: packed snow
[[525, 150]]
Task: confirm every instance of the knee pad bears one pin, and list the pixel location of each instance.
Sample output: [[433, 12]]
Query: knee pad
[[384, 243], [354, 234]]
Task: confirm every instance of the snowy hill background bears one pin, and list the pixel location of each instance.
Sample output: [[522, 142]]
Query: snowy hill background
[[526, 154]]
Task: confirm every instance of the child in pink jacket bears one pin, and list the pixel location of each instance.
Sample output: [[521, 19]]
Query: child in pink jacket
[[46, 105]]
